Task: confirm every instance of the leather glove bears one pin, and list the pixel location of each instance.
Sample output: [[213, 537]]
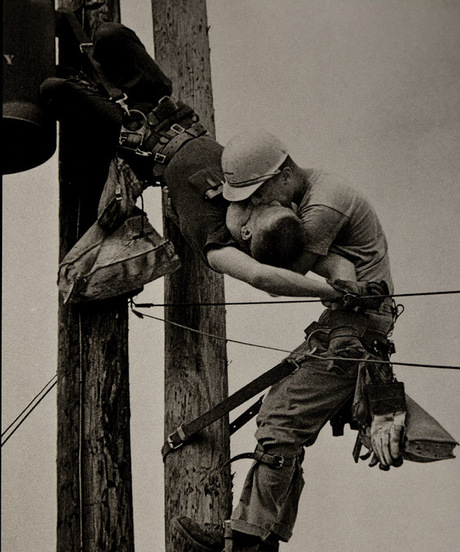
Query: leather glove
[[387, 407], [360, 296], [386, 435]]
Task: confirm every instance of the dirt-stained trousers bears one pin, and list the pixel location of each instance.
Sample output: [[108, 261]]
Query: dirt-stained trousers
[[291, 417]]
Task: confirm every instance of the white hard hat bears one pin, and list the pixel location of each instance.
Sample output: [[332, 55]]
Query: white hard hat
[[248, 160]]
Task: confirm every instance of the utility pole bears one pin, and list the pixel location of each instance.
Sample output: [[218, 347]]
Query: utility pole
[[195, 365], [94, 488]]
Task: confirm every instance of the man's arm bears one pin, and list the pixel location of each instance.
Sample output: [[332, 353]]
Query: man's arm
[[335, 267], [331, 267], [273, 280]]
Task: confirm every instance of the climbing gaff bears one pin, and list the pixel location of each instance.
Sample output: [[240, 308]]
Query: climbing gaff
[[28, 59]]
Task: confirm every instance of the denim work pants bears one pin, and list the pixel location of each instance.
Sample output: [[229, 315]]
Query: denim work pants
[[292, 415]]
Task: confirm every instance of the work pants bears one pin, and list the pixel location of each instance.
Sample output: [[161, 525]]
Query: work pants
[[291, 417]]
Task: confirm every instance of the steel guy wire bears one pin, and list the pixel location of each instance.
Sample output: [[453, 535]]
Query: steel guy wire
[[228, 340], [31, 402], [30, 411]]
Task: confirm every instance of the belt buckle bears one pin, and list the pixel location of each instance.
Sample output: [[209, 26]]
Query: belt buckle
[[178, 129], [171, 444], [159, 158], [182, 438]]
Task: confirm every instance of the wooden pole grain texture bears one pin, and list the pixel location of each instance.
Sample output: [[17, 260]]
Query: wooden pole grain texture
[[94, 488], [196, 485]]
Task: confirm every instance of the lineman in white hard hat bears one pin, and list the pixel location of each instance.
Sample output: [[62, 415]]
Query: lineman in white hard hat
[[338, 219], [249, 160]]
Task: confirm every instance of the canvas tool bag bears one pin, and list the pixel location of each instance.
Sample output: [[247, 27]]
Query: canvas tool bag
[[106, 264], [425, 439]]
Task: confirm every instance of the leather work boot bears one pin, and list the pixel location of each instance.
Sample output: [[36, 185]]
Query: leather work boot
[[208, 536]]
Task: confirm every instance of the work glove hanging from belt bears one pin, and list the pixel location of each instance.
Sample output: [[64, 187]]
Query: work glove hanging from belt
[[385, 436], [359, 296]]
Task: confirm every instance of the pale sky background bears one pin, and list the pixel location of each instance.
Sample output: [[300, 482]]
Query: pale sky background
[[366, 88]]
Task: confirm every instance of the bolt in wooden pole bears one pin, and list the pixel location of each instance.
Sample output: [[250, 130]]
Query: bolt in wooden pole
[[195, 365], [93, 451]]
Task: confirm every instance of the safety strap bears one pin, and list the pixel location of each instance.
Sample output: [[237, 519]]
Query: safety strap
[[185, 432], [86, 47], [179, 135], [276, 461], [246, 416]]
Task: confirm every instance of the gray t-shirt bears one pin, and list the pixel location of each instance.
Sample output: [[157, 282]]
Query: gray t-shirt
[[340, 219]]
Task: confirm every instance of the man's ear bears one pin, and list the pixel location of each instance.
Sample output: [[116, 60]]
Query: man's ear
[[246, 233], [286, 175]]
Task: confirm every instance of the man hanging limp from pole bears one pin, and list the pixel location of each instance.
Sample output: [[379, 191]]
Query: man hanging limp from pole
[[274, 223]]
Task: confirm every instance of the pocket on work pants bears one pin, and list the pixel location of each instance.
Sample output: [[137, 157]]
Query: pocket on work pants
[[340, 350]]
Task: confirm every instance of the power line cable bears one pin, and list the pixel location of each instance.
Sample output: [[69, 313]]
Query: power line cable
[[283, 301], [439, 366], [228, 340]]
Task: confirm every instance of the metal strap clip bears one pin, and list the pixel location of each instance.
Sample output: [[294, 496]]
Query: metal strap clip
[[84, 45], [278, 462], [159, 158], [122, 103], [177, 438], [178, 129]]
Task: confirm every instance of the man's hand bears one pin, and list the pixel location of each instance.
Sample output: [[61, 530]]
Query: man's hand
[[386, 436], [360, 295]]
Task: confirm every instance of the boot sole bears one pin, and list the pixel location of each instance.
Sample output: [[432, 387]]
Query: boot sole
[[183, 531]]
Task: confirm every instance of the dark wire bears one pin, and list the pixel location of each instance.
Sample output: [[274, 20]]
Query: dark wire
[[149, 305], [439, 366], [281, 302], [31, 402], [28, 413]]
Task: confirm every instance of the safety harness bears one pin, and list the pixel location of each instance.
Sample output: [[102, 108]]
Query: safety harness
[[160, 134], [157, 135], [377, 345], [186, 432]]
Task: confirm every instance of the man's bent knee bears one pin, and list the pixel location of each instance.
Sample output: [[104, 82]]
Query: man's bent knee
[[279, 456]]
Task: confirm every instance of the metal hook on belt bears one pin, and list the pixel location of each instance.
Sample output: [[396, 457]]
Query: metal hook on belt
[[129, 118], [133, 137]]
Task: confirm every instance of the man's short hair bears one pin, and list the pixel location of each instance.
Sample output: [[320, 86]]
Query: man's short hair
[[278, 240]]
